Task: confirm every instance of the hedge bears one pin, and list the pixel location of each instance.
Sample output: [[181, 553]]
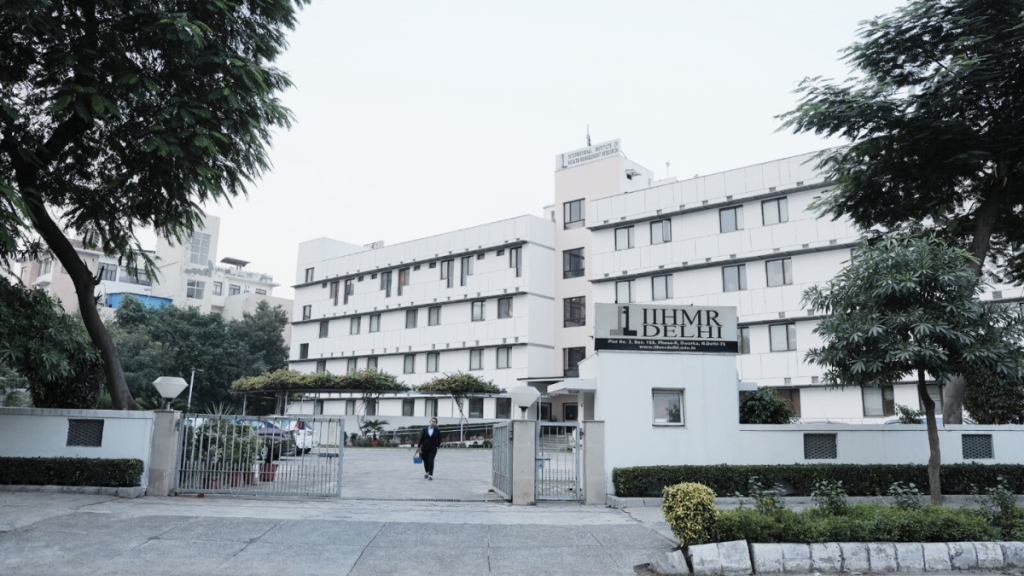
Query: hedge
[[799, 479], [119, 473]]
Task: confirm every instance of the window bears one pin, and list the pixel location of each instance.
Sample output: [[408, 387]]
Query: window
[[321, 366], [410, 318], [410, 364], [234, 289], [355, 324], [218, 287], [465, 269], [504, 357], [447, 271], [350, 366], [307, 311], [575, 214], [575, 313], [504, 308], [730, 219], [476, 407], [780, 272], [332, 292], [668, 407], [109, 272], [515, 260], [734, 278], [572, 263], [385, 283], [792, 398], [545, 411], [476, 359], [774, 211], [350, 289], [45, 266], [661, 287], [480, 256], [199, 249], [374, 322], [430, 408], [571, 358], [303, 351], [371, 407], [878, 401], [309, 274], [408, 406], [661, 231], [433, 361], [744, 340], [478, 310], [624, 238], [434, 316], [371, 363], [403, 279], [935, 392], [350, 407], [261, 292], [503, 408], [194, 289], [782, 336], [324, 327], [624, 292]]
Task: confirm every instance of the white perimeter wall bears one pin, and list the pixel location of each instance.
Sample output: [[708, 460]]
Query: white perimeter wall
[[43, 432]]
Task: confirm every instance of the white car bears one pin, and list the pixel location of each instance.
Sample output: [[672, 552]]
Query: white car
[[303, 434]]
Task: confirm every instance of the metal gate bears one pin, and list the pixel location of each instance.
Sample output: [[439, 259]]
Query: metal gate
[[259, 456], [558, 461], [501, 460]]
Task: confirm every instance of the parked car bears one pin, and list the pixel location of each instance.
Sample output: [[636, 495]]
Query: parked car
[[276, 440], [303, 435], [938, 420]]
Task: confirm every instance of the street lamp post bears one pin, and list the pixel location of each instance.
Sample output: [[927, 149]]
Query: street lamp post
[[524, 397], [191, 384], [169, 387]]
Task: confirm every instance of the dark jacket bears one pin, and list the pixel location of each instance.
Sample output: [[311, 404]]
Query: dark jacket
[[428, 442]]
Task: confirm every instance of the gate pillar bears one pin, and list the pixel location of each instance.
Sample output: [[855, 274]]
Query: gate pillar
[[163, 453], [594, 481], [524, 462]]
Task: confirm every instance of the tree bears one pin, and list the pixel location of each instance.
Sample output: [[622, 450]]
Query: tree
[[460, 386], [908, 306], [935, 121], [994, 398], [120, 115], [262, 334], [48, 348], [765, 406]]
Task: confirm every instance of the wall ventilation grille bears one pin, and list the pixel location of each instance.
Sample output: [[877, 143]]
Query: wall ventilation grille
[[977, 446], [87, 433], [820, 447]]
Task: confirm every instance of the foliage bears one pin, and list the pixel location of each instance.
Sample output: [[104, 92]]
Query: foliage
[[689, 509], [830, 497], [905, 496], [999, 507], [367, 381], [859, 523], [374, 426], [933, 116], [218, 442], [48, 348], [767, 499], [460, 385], [171, 341], [858, 479], [992, 398], [71, 472], [765, 406], [908, 415], [119, 116]]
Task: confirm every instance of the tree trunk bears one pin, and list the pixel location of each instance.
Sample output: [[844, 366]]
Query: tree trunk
[[934, 455], [953, 400], [85, 286]]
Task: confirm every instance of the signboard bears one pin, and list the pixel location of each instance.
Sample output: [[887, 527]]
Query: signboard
[[704, 329], [588, 154]]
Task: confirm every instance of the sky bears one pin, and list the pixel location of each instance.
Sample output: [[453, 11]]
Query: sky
[[414, 118]]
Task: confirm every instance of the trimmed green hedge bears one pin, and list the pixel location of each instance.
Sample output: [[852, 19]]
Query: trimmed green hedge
[[119, 473], [858, 479]]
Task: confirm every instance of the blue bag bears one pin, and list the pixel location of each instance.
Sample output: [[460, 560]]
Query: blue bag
[[417, 460]]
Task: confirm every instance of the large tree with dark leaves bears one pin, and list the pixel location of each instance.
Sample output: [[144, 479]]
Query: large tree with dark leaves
[[935, 120], [117, 115]]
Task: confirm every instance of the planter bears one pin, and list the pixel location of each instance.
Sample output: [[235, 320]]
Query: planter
[[268, 472]]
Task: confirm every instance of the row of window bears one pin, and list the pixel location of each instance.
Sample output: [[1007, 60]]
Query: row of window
[[503, 407], [734, 278], [447, 274], [478, 313], [502, 360], [729, 220], [196, 289]]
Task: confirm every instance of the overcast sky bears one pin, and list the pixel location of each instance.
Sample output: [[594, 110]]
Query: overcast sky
[[416, 118]]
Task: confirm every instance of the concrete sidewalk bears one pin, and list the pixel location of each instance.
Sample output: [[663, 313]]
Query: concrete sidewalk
[[70, 534]]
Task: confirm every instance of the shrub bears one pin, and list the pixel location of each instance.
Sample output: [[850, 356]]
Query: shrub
[[117, 473], [765, 406], [858, 479], [690, 510], [905, 496], [860, 523], [908, 415], [999, 507], [766, 500], [830, 497]]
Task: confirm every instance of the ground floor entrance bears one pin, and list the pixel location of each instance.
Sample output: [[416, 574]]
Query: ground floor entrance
[[460, 475]]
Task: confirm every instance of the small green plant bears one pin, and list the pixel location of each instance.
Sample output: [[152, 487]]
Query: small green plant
[[765, 406], [689, 508], [830, 497], [905, 496], [908, 415], [999, 506], [766, 500]]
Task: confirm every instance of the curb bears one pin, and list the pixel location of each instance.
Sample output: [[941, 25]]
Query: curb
[[131, 492]]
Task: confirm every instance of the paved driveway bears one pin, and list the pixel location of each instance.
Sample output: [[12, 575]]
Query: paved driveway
[[462, 474]]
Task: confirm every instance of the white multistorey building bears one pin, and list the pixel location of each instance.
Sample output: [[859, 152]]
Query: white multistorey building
[[478, 300]]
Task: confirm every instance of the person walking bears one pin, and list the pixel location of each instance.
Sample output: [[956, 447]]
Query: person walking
[[430, 441]]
